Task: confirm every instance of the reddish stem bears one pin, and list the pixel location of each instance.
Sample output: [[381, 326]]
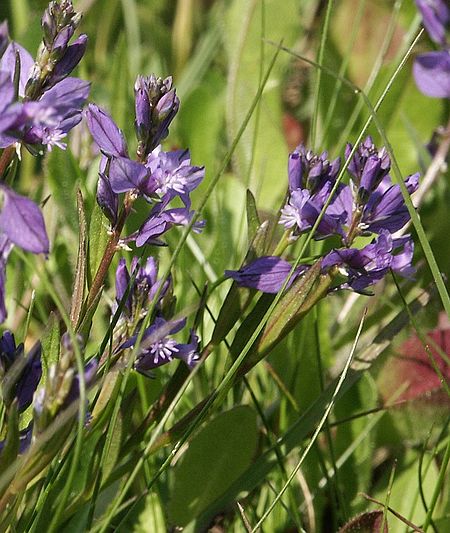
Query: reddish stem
[[6, 158]]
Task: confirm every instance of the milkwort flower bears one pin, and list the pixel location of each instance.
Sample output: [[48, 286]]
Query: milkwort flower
[[370, 205], [432, 69], [158, 347], [142, 290], [46, 104], [21, 224], [159, 177]]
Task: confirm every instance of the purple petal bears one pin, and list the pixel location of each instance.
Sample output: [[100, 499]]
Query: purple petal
[[4, 37], [436, 16], [29, 379], [70, 60], [22, 221], [122, 282], [432, 73], [107, 199], [67, 95], [267, 274], [8, 64], [125, 174], [6, 90], [107, 135]]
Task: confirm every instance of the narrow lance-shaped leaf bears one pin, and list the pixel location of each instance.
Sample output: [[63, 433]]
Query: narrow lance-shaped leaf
[[304, 293], [50, 344], [253, 221], [11, 446], [81, 269]]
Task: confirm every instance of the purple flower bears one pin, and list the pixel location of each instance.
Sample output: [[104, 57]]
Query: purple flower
[[307, 170], [156, 105], [162, 177], [20, 374], [49, 105], [161, 221], [107, 199], [8, 64], [172, 173], [158, 347], [267, 274], [108, 137], [367, 167], [436, 18], [369, 265], [386, 209], [22, 222], [302, 211], [432, 70], [432, 73], [144, 287]]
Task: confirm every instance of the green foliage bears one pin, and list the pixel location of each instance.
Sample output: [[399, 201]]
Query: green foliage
[[212, 463], [180, 448]]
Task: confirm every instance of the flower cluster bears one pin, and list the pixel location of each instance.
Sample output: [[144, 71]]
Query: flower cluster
[[39, 105], [157, 176], [432, 69], [370, 205], [157, 346]]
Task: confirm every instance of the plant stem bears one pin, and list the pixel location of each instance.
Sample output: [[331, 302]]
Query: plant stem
[[6, 158], [110, 250]]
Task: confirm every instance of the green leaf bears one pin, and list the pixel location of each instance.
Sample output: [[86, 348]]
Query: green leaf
[[62, 174], [98, 237], [253, 221], [11, 448], [152, 517], [215, 458], [50, 344], [80, 272]]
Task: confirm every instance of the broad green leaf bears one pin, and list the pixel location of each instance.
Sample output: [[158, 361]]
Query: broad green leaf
[[216, 456]]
